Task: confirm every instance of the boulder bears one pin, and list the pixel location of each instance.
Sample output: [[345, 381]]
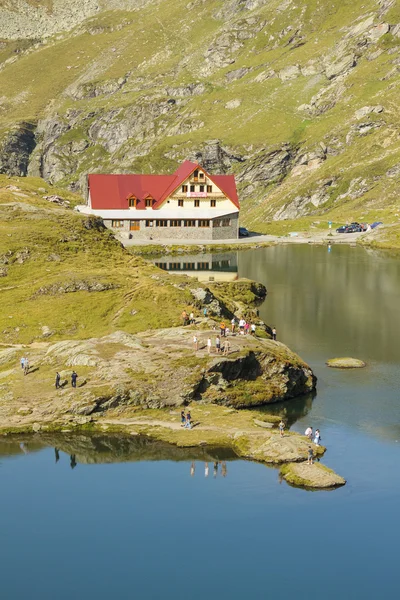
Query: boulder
[[341, 66], [290, 72], [316, 476], [367, 110], [345, 363]]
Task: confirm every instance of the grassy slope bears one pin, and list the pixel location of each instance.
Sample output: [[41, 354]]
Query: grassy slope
[[29, 222], [165, 45]]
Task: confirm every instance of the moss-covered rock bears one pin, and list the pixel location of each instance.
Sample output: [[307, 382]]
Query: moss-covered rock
[[315, 476], [345, 363]]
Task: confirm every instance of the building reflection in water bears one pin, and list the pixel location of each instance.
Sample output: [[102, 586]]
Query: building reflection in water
[[205, 267]]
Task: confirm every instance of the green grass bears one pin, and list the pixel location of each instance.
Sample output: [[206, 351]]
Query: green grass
[[164, 46]]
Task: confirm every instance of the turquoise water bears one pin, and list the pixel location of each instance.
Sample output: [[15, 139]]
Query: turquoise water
[[132, 519]]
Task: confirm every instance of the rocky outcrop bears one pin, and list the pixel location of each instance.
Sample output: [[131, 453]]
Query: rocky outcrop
[[345, 363], [16, 148], [74, 286], [315, 476]]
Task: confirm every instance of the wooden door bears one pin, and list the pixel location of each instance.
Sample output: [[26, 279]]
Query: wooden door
[[134, 225]]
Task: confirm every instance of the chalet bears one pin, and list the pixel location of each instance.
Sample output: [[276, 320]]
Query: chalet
[[190, 204]]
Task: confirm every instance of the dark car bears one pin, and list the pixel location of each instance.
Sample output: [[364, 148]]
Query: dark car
[[352, 228], [376, 224], [243, 232]]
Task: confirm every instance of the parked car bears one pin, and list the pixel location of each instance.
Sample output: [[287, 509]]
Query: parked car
[[376, 224], [352, 228], [243, 232]]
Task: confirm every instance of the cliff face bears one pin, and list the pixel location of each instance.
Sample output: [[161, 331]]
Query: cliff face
[[298, 98]]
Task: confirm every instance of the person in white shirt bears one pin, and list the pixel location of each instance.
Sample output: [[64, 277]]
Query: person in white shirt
[[195, 343], [242, 323], [209, 344], [309, 433], [317, 438], [253, 329]]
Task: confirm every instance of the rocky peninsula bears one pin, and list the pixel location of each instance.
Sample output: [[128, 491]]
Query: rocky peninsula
[[74, 299]]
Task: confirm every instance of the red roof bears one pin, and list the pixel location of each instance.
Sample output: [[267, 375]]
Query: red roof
[[114, 191]]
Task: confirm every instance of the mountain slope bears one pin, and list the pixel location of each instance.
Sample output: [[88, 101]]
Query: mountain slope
[[298, 98]]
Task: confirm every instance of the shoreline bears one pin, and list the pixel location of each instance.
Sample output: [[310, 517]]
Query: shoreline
[[244, 444]]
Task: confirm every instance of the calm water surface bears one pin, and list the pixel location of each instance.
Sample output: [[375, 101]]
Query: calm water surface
[[132, 519]]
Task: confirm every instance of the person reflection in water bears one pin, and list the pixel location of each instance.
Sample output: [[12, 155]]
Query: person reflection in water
[[72, 461], [192, 469], [206, 469], [57, 453], [224, 470], [215, 471]]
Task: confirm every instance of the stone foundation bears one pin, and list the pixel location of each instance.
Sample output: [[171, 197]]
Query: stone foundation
[[213, 232]]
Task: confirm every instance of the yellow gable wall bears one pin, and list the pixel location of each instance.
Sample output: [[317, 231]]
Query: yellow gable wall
[[222, 202]]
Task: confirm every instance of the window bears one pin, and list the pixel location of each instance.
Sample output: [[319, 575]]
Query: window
[[189, 223], [201, 175], [117, 224], [226, 222], [196, 174], [162, 266], [149, 223], [174, 266], [189, 266], [161, 223], [202, 188], [132, 202], [196, 203], [209, 189], [203, 266], [192, 188], [217, 222], [213, 203], [204, 223], [184, 188], [175, 223], [149, 202], [180, 203]]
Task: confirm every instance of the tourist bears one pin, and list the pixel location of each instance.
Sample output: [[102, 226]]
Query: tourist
[[309, 433], [209, 344], [222, 328], [242, 323], [23, 362], [246, 327], [191, 319], [188, 424], [274, 334], [26, 366], [205, 312], [310, 459], [233, 325], [183, 418], [215, 470], [58, 378], [195, 343], [74, 377], [281, 428], [184, 318], [224, 470], [227, 347], [218, 344], [192, 469], [206, 469], [253, 329], [317, 438]]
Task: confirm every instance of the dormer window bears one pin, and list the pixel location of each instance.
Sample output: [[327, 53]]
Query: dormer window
[[149, 202], [196, 174], [133, 202], [201, 175]]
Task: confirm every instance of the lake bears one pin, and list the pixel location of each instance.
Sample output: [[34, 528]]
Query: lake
[[111, 517]]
